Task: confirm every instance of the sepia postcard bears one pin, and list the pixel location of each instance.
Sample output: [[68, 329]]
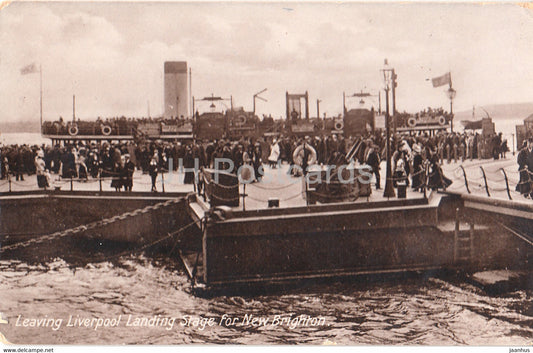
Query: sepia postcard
[[265, 174]]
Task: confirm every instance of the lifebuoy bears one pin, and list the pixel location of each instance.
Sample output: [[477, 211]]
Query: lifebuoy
[[297, 155], [73, 130], [411, 122], [339, 125], [106, 130], [240, 120], [442, 120]]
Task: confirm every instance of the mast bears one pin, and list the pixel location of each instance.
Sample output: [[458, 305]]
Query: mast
[[73, 108], [191, 102], [41, 94]]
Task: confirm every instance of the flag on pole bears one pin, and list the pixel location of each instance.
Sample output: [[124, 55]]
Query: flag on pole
[[445, 79], [29, 69]]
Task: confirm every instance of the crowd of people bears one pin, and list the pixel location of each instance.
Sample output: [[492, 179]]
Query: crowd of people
[[116, 125], [412, 157]]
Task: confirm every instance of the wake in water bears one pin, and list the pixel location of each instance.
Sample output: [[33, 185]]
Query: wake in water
[[410, 310]]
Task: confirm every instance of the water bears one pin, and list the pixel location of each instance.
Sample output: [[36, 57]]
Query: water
[[21, 138], [415, 310]]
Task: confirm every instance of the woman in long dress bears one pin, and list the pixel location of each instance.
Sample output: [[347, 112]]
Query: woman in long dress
[[436, 176], [274, 154], [524, 184]]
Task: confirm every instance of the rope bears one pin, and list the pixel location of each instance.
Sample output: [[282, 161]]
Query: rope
[[275, 187], [285, 199], [293, 197], [81, 228], [220, 198], [521, 236], [169, 235], [220, 185]]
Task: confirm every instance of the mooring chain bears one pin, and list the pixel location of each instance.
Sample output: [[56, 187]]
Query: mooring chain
[[84, 227]]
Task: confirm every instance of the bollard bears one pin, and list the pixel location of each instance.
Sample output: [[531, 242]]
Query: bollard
[[100, 182], [9, 181], [71, 184], [163, 181]]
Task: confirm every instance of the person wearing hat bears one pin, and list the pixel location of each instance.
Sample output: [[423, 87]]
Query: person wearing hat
[[153, 169], [81, 164], [129, 169], [418, 176], [524, 185], [274, 154], [42, 181], [374, 161], [257, 162]]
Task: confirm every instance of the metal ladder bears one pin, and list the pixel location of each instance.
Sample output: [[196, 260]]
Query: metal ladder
[[463, 247]]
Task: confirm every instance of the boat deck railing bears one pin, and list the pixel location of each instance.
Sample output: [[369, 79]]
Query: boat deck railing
[[496, 183]]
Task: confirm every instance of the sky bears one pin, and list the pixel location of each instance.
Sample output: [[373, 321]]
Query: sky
[[111, 55]]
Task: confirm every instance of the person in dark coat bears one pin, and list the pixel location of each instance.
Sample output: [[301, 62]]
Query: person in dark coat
[[529, 163], [257, 162], [19, 165], [118, 176], [436, 176], [188, 163], [374, 161], [68, 164], [418, 167], [153, 169], [128, 170], [524, 184]]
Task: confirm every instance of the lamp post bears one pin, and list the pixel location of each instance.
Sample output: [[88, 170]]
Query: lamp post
[[393, 89], [451, 95], [387, 77]]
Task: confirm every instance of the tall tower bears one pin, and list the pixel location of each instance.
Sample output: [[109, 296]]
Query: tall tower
[[176, 92]]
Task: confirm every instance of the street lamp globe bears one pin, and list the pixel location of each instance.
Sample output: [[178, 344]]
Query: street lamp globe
[[451, 93]]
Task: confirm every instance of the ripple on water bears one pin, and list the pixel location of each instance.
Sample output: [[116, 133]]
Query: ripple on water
[[411, 311]]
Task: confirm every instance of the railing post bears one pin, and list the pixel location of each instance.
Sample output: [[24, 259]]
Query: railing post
[[485, 178], [163, 180], [71, 184], [425, 184], [9, 180], [507, 184], [306, 191], [456, 236], [244, 196], [100, 181], [466, 180]]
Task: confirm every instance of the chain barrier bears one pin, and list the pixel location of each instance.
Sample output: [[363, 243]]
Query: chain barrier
[[144, 247], [299, 194], [489, 183], [89, 226], [229, 187], [273, 188]]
